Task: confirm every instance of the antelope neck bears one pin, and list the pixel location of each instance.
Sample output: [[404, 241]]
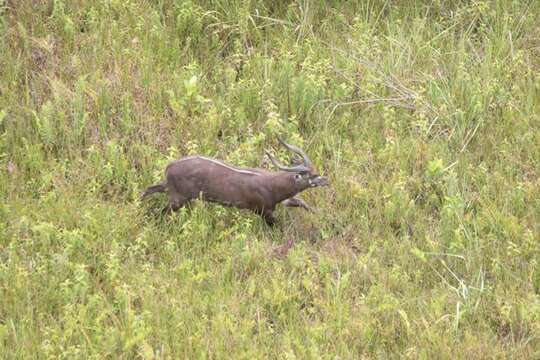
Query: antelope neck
[[282, 186]]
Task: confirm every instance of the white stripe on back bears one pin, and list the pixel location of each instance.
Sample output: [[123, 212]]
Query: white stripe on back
[[222, 164]]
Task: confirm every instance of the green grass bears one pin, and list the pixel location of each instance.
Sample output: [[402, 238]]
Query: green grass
[[425, 116]]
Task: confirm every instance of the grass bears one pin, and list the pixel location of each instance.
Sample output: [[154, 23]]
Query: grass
[[425, 115]]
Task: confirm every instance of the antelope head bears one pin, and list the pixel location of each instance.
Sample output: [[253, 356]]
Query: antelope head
[[305, 175]]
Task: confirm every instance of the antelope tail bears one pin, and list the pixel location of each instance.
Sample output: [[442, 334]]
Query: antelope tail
[[154, 189]]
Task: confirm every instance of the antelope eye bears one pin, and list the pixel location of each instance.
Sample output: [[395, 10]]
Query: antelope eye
[[297, 176]]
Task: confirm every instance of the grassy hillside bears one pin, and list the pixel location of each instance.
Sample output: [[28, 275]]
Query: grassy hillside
[[424, 114]]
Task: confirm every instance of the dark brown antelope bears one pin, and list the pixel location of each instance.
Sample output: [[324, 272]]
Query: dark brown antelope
[[258, 190]]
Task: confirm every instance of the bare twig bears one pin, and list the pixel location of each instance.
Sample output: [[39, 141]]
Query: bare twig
[[470, 137], [273, 20]]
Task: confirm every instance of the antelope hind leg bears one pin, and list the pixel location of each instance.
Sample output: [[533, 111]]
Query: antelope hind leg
[[269, 218], [174, 205]]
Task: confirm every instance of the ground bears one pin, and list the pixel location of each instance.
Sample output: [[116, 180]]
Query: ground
[[425, 115]]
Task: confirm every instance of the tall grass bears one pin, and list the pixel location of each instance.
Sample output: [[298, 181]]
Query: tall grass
[[425, 115]]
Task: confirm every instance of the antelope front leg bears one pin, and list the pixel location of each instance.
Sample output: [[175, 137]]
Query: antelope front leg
[[296, 202]]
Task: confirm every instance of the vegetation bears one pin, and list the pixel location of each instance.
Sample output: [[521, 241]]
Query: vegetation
[[425, 115]]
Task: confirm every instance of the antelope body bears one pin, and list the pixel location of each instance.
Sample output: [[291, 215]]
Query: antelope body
[[258, 190]]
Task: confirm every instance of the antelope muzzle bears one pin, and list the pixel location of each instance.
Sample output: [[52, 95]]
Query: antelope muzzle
[[319, 181]]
